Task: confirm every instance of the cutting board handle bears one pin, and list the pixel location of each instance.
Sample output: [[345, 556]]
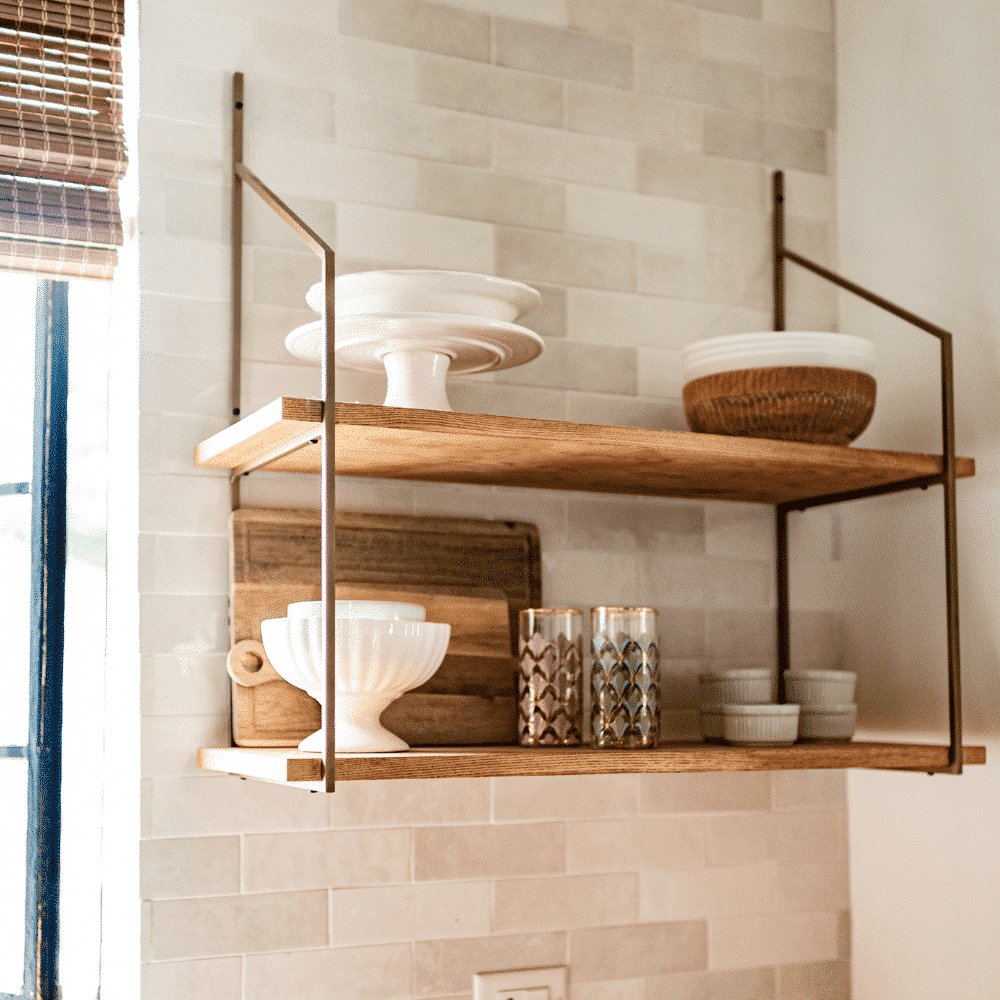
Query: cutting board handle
[[248, 665]]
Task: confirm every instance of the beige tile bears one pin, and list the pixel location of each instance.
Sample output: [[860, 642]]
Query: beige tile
[[649, 22], [693, 582], [660, 372], [624, 411], [381, 973], [200, 866], [740, 634], [844, 935], [172, 324], [819, 639], [706, 892], [188, 807], [280, 277], [489, 90], [488, 851], [507, 400], [168, 742], [731, 38], [190, 564], [737, 231], [530, 255], [413, 130], [549, 319], [682, 633], [687, 77], [733, 135], [478, 194], [409, 803], [550, 11], [441, 967], [805, 102], [816, 15], [415, 238], [418, 24], [711, 180], [369, 67], [795, 146], [812, 888], [742, 984], [564, 798], [175, 623], [635, 523], [553, 51], [175, 684], [325, 859], [736, 943], [409, 912], [815, 981], [566, 365], [227, 925], [745, 839], [722, 792], [809, 790], [783, 837], [208, 979], [640, 845], [744, 8], [610, 989], [812, 196], [739, 531], [641, 950], [528, 149], [554, 904], [623, 215], [793, 51]]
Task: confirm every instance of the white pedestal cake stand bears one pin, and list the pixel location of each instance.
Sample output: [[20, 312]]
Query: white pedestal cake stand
[[419, 349]]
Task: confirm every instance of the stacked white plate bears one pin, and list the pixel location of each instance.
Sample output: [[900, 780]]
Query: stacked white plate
[[421, 325], [777, 350]]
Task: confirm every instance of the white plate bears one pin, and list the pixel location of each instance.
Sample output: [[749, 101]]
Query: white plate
[[473, 344], [428, 291]]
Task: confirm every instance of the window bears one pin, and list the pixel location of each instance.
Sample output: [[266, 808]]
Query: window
[[52, 529]]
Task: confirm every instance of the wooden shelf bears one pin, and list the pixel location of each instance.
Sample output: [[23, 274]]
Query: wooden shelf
[[293, 767], [390, 443]]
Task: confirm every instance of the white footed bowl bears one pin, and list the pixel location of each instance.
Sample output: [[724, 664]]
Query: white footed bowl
[[374, 610], [375, 663], [428, 290]]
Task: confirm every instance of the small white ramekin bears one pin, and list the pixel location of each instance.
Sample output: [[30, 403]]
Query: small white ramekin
[[711, 724], [831, 722], [736, 687], [760, 725], [820, 688]]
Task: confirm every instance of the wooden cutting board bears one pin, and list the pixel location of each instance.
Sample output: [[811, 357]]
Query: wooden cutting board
[[474, 574]]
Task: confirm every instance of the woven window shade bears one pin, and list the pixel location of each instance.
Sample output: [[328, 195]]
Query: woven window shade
[[62, 148]]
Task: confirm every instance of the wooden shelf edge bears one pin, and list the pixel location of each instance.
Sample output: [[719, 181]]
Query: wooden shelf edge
[[294, 767]]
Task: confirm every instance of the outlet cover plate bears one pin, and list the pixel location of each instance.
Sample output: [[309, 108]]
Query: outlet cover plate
[[521, 984]]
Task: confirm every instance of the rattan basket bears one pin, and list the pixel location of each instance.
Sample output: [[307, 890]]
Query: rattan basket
[[817, 405]]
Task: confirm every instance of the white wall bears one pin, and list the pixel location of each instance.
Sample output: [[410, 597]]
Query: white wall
[[919, 220]]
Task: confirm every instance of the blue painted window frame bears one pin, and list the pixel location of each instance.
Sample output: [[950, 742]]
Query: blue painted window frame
[[43, 750]]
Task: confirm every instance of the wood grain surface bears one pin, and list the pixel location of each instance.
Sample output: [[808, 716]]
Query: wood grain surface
[[495, 762], [473, 574], [393, 443]]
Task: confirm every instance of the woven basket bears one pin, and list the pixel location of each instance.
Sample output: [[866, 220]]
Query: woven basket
[[817, 405]]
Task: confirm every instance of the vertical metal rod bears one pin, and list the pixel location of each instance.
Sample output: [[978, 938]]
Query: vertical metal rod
[[783, 619], [778, 246], [951, 557], [236, 268], [327, 512]]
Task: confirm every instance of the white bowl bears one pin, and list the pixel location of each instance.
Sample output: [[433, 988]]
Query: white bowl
[[429, 291], [820, 688], [832, 722], [372, 610], [760, 725], [736, 687], [711, 724], [777, 350], [375, 663]]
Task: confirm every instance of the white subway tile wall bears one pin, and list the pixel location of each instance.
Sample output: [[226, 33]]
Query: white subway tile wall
[[617, 156]]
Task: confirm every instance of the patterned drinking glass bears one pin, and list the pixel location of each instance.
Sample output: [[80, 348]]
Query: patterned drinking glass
[[550, 677], [625, 677]]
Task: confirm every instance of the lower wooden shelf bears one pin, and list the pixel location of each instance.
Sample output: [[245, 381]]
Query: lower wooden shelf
[[293, 767]]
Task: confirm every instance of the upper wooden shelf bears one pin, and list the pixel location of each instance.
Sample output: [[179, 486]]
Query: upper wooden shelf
[[293, 767], [391, 443]]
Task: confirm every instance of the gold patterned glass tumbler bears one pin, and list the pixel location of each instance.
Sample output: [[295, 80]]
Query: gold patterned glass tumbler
[[550, 677], [625, 677]]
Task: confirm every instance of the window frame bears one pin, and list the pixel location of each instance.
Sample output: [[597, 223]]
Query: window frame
[[43, 750]]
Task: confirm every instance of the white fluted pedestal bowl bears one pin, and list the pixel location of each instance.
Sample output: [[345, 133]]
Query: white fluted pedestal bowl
[[376, 662]]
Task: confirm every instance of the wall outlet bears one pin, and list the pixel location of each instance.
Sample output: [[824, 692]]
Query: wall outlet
[[521, 984]]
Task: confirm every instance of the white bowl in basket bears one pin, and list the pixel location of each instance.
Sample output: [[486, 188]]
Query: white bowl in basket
[[820, 688], [736, 687], [375, 663], [760, 725], [831, 722]]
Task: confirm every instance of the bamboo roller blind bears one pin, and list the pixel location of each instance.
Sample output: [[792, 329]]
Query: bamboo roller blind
[[62, 149]]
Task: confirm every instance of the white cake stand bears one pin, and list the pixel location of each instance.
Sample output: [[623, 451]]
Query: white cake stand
[[419, 349]]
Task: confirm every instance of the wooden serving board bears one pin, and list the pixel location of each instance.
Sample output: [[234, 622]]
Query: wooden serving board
[[475, 575]]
